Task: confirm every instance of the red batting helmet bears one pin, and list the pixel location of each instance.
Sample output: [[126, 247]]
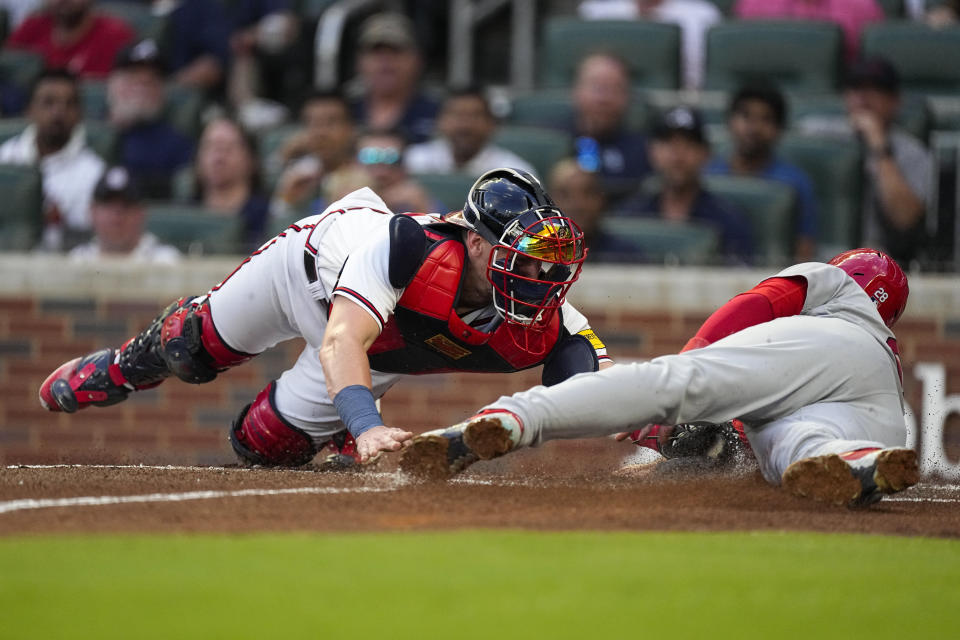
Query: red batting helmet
[[880, 276]]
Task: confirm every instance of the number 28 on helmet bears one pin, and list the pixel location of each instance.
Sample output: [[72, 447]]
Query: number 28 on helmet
[[880, 276]]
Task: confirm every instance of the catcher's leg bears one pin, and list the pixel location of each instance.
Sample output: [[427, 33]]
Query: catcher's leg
[[261, 436], [181, 341]]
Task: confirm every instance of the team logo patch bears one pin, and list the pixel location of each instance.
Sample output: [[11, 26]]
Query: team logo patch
[[447, 347]]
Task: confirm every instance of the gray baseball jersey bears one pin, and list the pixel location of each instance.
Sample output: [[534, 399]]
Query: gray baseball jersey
[[824, 381]]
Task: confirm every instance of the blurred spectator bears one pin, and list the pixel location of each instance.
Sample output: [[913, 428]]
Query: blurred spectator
[[944, 14], [390, 65], [71, 34], [150, 148], [197, 48], [578, 195], [228, 178], [313, 156], [18, 10], [265, 59], [756, 120], [601, 95], [466, 126], [694, 17], [679, 151], [899, 168], [55, 141], [381, 154], [119, 218], [852, 15]]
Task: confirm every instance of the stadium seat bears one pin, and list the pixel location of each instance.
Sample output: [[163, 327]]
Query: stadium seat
[[4, 25], [10, 127], [806, 110], [801, 56], [21, 217], [652, 50], [835, 167], [771, 208], [923, 56], [554, 108], [661, 241], [312, 8], [269, 143], [102, 138], [892, 9], [19, 69], [450, 189], [725, 6], [195, 230], [541, 147], [139, 16]]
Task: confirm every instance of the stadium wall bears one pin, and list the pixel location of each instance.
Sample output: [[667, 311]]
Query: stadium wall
[[52, 310]]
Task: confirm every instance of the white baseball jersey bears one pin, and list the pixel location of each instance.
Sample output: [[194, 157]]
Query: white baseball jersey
[[824, 381], [284, 289]]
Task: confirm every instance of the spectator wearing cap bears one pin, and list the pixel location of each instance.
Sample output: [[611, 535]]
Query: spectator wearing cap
[[853, 16], [577, 192], [150, 148], [389, 65], [55, 142], [464, 145], [679, 151], [601, 96], [71, 34], [119, 218], [756, 119], [898, 167], [228, 177]]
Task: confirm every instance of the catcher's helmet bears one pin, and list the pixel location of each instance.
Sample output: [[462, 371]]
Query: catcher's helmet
[[537, 251], [880, 276]]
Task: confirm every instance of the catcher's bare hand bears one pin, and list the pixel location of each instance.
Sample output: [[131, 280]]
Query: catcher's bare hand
[[381, 438]]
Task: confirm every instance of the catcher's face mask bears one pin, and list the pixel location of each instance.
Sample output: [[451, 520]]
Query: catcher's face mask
[[538, 258]]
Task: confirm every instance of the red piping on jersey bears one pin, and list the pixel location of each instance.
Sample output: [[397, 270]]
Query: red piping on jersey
[[359, 298], [773, 298]]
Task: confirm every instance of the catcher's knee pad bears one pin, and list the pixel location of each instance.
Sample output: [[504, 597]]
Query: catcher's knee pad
[[261, 436], [181, 341]]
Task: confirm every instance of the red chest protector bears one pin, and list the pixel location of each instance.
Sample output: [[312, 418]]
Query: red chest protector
[[425, 334]]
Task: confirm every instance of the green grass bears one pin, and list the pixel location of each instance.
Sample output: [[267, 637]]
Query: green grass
[[480, 585]]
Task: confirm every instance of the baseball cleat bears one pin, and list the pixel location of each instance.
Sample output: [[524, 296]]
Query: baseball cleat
[[94, 379], [442, 453], [855, 478]]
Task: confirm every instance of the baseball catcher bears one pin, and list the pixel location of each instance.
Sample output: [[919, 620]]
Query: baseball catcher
[[376, 296], [806, 360]]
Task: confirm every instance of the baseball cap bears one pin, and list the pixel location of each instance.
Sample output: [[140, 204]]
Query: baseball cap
[[116, 183], [873, 73], [387, 29], [680, 120], [144, 53]]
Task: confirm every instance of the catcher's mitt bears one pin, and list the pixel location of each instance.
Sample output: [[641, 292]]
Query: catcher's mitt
[[719, 442]]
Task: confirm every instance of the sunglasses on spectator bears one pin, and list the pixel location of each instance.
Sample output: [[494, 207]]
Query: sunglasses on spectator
[[378, 155]]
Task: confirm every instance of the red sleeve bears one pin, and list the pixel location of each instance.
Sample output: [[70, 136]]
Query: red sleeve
[[772, 298]]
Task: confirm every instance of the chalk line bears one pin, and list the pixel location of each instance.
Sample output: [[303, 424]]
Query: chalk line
[[96, 501]]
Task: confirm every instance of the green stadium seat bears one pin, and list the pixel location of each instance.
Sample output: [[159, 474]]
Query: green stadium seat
[[195, 230], [802, 56], [892, 9], [10, 127], [541, 147], [4, 25], [312, 8], [924, 57], [20, 68], [725, 6], [103, 139], [21, 217], [93, 99], [771, 209], [184, 109], [652, 50], [139, 16], [450, 189], [661, 241], [915, 116], [269, 143], [836, 169], [554, 108]]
